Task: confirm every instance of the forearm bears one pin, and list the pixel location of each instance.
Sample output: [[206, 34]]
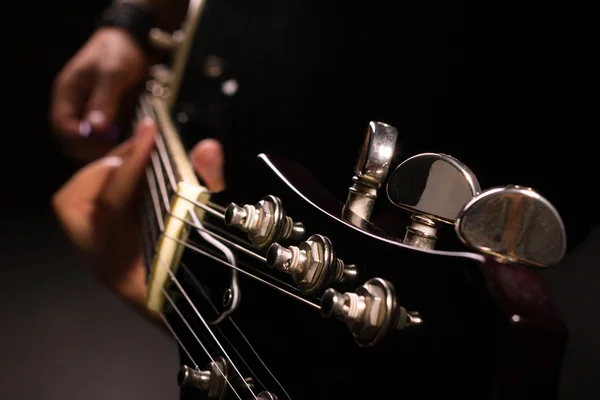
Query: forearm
[[169, 14]]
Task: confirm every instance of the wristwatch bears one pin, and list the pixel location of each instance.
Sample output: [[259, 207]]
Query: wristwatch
[[136, 19]]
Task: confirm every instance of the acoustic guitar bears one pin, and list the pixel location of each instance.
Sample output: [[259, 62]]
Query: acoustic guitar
[[291, 293]]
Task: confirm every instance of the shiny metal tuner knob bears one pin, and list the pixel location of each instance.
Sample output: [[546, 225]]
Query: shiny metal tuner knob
[[371, 312], [371, 170], [513, 224], [213, 381], [435, 188], [313, 264], [265, 222]]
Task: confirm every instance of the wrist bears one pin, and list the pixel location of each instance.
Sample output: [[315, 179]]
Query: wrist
[[135, 19]]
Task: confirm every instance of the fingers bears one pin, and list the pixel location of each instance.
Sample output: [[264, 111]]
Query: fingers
[[104, 103], [72, 90], [207, 158], [120, 191], [69, 96], [86, 185]]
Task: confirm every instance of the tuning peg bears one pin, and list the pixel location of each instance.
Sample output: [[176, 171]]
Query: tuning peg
[[313, 264], [514, 224], [370, 312], [434, 187], [265, 222], [211, 381], [371, 169]]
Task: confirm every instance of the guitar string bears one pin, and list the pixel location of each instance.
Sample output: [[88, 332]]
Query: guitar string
[[240, 263], [169, 299], [267, 283], [215, 364], [235, 291], [148, 246], [235, 325], [164, 194], [206, 325], [156, 166], [163, 157], [192, 279]]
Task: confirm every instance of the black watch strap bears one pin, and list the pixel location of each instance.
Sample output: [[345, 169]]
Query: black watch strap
[[136, 19]]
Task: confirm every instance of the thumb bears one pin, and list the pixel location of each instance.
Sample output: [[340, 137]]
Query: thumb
[[104, 103], [121, 189], [207, 158]]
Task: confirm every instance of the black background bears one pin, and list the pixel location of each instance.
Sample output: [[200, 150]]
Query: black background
[[64, 337]]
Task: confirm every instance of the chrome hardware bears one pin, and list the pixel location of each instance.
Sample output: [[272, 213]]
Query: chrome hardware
[[213, 382], [371, 170], [312, 264], [265, 222], [163, 40], [370, 312], [266, 396], [434, 187], [227, 298], [513, 224]]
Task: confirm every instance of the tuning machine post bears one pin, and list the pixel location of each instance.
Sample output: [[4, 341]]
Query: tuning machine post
[[371, 170], [513, 224], [212, 381], [265, 222], [215, 381], [313, 264], [434, 187], [371, 312]]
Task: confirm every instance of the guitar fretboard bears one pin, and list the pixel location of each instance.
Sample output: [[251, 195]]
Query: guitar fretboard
[[168, 199]]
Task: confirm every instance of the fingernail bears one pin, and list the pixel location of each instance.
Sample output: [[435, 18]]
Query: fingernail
[[112, 161], [147, 121], [96, 118], [85, 129]]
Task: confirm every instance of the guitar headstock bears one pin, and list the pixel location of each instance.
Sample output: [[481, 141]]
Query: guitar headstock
[[252, 291]]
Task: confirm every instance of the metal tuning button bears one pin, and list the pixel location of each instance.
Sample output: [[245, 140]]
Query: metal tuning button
[[370, 312], [434, 187], [265, 222], [266, 396], [313, 264], [513, 224], [371, 170], [213, 381]]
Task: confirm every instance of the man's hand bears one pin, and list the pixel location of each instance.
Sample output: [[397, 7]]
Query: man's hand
[[98, 208], [89, 90]]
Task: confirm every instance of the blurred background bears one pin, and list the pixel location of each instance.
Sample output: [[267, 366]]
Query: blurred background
[[62, 336], [65, 337]]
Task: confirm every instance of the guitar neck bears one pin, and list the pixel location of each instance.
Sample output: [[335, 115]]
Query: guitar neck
[[172, 196]]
